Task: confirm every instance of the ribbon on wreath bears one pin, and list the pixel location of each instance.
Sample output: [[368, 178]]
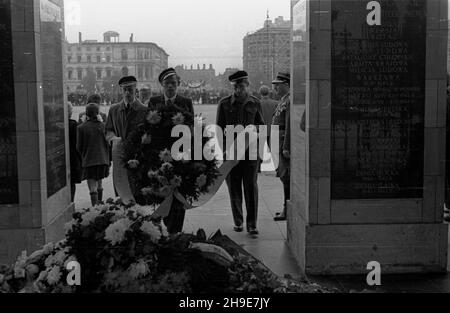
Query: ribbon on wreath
[[121, 182]]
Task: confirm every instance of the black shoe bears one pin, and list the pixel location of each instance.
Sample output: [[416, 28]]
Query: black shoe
[[280, 218], [253, 231], [238, 229]]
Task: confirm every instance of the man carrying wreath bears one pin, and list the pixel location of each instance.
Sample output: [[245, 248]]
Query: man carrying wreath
[[170, 82]]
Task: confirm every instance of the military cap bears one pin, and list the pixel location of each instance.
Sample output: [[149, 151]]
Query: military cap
[[166, 74], [238, 77], [127, 81], [282, 78]]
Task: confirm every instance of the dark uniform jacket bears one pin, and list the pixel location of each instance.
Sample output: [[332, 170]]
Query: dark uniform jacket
[[282, 118], [122, 122], [92, 145], [184, 104], [232, 113]]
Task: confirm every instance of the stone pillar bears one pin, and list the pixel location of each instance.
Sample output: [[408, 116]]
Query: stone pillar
[[368, 175], [39, 203]]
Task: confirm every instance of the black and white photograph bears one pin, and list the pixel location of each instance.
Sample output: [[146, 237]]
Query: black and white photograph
[[226, 155]]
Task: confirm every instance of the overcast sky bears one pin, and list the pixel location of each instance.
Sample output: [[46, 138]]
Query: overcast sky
[[190, 31]]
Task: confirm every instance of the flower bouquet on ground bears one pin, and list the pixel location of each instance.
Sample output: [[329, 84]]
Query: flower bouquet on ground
[[155, 172], [121, 249]]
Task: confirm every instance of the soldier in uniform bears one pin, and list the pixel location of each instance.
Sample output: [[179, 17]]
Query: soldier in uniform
[[170, 81], [281, 118], [242, 109]]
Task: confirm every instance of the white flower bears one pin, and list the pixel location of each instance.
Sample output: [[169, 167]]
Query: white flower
[[115, 233], [152, 175], [166, 167], [153, 117], [69, 226], [54, 275], [100, 118], [139, 270], [133, 164], [178, 119], [89, 217], [42, 276], [69, 259], [19, 272], [146, 139], [166, 156], [144, 210], [132, 211], [147, 191], [60, 257], [176, 181], [150, 229], [19, 266], [201, 181]]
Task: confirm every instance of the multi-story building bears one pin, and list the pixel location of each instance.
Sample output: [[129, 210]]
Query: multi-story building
[[267, 51], [206, 77], [105, 62]]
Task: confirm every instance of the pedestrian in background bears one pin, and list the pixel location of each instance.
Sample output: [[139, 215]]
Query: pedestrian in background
[[268, 107], [97, 99], [94, 151], [75, 158]]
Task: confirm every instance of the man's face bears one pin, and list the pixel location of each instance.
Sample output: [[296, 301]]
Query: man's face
[[170, 86], [129, 93], [241, 89], [281, 89]]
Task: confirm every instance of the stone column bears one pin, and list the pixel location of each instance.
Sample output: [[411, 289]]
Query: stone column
[[368, 178], [34, 39]]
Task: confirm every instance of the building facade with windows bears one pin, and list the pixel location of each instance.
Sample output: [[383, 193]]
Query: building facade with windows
[[112, 59], [267, 51]]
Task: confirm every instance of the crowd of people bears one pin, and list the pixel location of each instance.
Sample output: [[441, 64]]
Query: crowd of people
[[94, 133]]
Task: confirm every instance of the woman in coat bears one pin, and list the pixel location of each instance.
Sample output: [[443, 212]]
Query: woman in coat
[[94, 151]]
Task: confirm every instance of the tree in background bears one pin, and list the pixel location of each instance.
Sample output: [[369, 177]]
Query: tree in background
[[89, 81]]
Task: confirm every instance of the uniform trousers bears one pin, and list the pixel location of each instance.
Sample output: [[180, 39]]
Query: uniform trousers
[[244, 177]]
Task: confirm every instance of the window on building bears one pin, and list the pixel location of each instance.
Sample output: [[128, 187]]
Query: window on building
[[125, 71], [147, 73], [79, 49], [140, 73], [98, 49], [70, 74], [108, 58], [88, 48], [124, 54], [98, 59], [79, 58], [147, 55], [140, 55], [108, 48], [69, 58], [108, 73], [99, 74], [80, 74], [89, 59]]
